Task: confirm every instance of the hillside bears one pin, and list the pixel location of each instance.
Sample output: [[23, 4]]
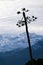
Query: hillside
[[20, 56]]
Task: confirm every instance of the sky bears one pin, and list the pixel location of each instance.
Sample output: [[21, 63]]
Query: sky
[[9, 17]]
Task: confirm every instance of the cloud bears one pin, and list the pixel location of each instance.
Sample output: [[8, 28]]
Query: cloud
[[9, 8], [9, 18]]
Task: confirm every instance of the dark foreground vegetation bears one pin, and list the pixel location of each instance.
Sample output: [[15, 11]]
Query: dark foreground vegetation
[[35, 62]]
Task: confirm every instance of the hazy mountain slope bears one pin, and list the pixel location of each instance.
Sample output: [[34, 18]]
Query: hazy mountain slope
[[20, 56], [9, 42]]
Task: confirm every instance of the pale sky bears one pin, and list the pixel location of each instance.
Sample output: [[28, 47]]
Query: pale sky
[[9, 18]]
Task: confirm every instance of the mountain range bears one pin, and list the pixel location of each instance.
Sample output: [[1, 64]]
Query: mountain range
[[14, 49]]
